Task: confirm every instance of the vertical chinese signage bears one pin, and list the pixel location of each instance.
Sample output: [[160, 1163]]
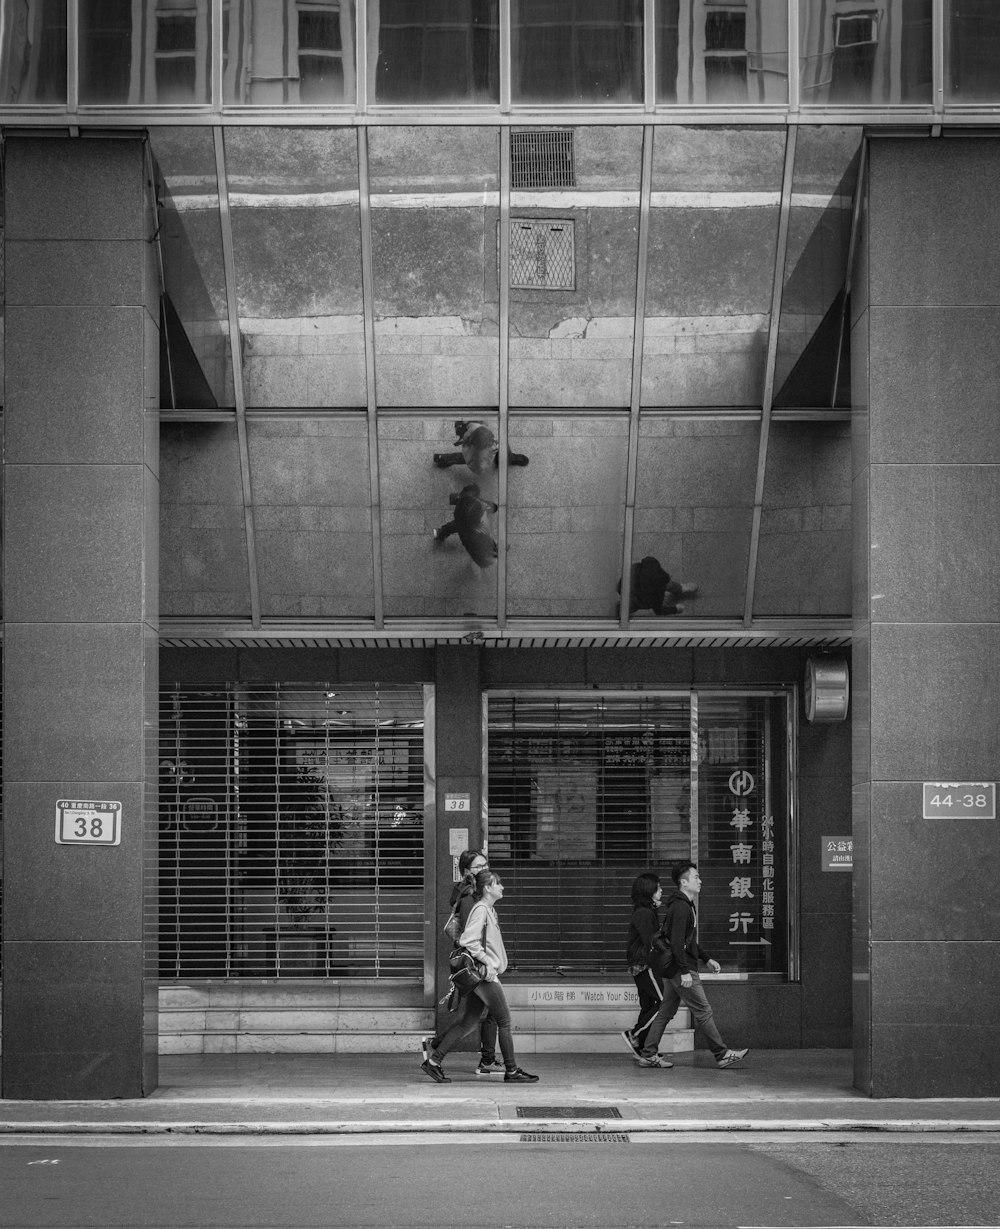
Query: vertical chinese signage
[[742, 831]]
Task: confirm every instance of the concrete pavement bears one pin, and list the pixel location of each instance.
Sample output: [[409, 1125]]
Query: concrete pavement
[[300, 1094]]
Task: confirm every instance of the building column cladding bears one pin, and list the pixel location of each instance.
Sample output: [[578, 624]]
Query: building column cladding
[[81, 506], [926, 385], [458, 742]]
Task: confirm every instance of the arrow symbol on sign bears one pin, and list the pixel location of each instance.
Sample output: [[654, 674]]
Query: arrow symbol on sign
[[749, 942]]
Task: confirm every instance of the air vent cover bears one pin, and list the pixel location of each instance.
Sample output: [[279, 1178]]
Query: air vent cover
[[542, 159], [542, 254]]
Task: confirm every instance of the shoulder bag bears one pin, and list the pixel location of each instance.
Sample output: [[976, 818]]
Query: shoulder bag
[[466, 971]]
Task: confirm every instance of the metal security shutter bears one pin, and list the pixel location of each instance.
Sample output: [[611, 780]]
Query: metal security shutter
[[291, 831], [584, 793]]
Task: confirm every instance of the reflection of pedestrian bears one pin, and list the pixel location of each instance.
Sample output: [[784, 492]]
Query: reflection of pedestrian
[[652, 589], [470, 863], [483, 939], [470, 523], [479, 449], [677, 964], [643, 925]]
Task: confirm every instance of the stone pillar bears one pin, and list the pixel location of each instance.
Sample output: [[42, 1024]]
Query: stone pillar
[[458, 746], [81, 495], [926, 372]]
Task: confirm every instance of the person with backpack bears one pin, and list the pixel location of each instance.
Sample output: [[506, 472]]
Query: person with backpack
[[675, 957], [470, 863], [643, 925], [482, 938]]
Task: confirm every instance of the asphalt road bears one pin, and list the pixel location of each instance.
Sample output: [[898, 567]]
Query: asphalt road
[[490, 1184]]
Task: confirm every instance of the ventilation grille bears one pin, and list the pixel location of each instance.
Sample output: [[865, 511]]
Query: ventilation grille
[[542, 159], [574, 1137], [542, 254]]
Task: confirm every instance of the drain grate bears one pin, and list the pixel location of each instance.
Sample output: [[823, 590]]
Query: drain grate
[[568, 1111], [575, 1137]]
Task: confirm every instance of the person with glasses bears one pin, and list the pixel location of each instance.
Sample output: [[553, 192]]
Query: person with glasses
[[470, 863], [483, 939]]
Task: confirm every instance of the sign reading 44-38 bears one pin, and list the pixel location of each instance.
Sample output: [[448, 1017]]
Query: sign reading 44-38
[[88, 823]]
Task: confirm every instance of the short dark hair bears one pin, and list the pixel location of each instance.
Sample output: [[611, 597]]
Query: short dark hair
[[644, 888], [483, 881], [681, 869], [466, 859]]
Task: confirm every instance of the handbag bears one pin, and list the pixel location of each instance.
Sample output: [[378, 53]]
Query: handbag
[[453, 926], [466, 971]]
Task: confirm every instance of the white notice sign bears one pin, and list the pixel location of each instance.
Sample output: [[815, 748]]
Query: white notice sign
[[88, 823]]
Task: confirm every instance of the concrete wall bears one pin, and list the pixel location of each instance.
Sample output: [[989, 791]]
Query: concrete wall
[[926, 328]]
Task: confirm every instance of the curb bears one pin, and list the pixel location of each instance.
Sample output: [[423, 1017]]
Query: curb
[[507, 1126]]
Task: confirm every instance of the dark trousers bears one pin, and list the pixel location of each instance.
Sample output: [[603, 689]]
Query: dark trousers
[[650, 991], [487, 1036], [694, 998], [489, 996]]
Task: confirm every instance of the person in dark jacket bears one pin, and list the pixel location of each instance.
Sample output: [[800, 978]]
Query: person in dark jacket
[[652, 589], [480, 450], [643, 925], [470, 863], [677, 963], [471, 525]]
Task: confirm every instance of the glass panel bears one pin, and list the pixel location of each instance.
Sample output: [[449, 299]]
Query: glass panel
[[297, 245], [574, 254], [584, 791], [972, 51], [743, 826], [804, 555], [693, 511], [713, 230], [434, 51], [203, 551], [312, 515], [199, 367], [576, 51], [874, 54], [819, 234], [433, 201], [566, 514], [453, 573], [725, 54], [145, 52], [33, 51], [289, 52]]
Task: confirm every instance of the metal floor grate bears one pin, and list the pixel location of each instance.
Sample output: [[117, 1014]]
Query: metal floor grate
[[575, 1137]]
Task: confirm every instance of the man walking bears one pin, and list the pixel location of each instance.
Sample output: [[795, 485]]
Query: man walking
[[677, 964]]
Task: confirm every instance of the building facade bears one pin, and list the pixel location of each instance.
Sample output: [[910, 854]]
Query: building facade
[[566, 429]]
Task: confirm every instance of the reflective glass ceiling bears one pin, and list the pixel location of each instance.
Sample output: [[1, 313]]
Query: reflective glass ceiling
[[228, 56], [659, 366]]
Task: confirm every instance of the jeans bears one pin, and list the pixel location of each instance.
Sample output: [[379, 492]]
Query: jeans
[[693, 997], [487, 996]]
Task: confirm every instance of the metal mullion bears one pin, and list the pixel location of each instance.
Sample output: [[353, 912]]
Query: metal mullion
[[638, 342], [506, 68], [938, 62], [218, 56], [859, 190], [649, 54], [72, 56], [368, 300], [503, 381], [774, 324], [239, 395], [361, 56], [794, 91]]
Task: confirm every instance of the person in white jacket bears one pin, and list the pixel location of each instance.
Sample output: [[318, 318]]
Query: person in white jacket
[[483, 939]]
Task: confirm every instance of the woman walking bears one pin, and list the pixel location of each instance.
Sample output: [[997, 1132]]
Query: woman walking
[[482, 938], [644, 924], [470, 863]]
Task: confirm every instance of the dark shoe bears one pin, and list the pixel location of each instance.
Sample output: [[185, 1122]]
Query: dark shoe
[[517, 1076], [633, 1048], [441, 461], [435, 1072], [489, 1066], [517, 458], [730, 1057]]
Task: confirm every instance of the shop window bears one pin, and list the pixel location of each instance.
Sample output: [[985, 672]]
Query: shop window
[[321, 54], [33, 52], [576, 51], [725, 56], [291, 832], [586, 792], [175, 56], [435, 51]]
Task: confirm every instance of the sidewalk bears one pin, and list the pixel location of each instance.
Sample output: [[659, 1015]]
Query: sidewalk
[[309, 1094]]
